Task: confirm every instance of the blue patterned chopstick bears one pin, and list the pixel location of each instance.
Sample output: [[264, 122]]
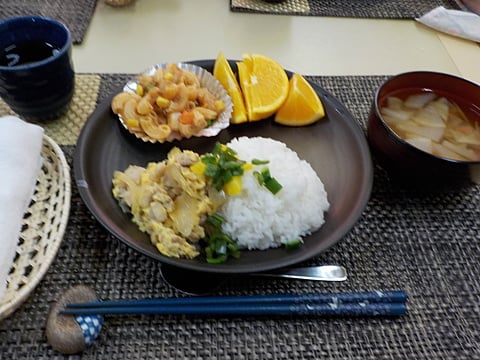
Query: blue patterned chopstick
[[346, 309], [345, 304], [347, 297]]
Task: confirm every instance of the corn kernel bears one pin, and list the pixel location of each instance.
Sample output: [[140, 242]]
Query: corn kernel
[[219, 105], [168, 75], [198, 168], [234, 186], [132, 123], [247, 166], [162, 102], [139, 90]]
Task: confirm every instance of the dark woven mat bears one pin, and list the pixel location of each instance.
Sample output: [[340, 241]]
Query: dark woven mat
[[382, 9], [428, 245], [75, 14]]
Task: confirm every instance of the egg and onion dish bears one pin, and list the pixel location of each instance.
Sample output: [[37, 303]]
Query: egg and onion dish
[[168, 201]]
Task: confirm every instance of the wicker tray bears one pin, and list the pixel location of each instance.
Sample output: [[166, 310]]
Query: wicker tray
[[43, 227]]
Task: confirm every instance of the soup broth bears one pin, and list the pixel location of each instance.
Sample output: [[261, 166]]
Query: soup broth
[[437, 123]]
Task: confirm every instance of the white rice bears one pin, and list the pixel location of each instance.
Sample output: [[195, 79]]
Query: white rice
[[257, 219]]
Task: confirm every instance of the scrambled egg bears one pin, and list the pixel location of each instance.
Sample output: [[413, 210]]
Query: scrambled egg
[[168, 201]]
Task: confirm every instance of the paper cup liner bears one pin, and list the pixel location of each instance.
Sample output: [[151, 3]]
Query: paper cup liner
[[206, 80]]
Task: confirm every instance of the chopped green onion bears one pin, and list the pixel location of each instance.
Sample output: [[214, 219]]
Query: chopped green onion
[[265, 179], [259, 177], [209, 159], [233, 250], [266, 173], [237, 171], [259, 162], [273, 185], [231, 165], [217, 260], [215, 220], [222, 164], [219, 246], [211, 170], [293, 244], [149, 87]]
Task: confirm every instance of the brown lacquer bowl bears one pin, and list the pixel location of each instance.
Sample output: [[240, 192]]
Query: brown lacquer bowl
[[408, 164], [472, 5]]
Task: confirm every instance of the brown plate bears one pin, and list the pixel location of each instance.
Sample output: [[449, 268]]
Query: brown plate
[[336, 148]]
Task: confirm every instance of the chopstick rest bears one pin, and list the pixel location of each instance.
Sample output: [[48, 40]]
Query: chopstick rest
[[73, 334]]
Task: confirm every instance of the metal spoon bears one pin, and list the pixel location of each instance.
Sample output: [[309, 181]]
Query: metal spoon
[[315, 273], [198, 283]]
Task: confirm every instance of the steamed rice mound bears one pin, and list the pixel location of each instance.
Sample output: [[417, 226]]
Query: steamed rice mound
[[258, 219]]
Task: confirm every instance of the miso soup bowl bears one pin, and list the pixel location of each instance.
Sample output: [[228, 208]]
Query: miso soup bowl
[[406, 164]]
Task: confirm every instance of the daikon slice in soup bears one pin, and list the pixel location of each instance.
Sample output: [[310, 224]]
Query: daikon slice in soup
[[437, 123]]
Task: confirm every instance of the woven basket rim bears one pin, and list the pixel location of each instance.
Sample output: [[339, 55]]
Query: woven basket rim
[[16, 293]]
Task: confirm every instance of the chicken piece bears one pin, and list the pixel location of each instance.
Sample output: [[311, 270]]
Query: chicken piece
[[124, 182], [186, 158]]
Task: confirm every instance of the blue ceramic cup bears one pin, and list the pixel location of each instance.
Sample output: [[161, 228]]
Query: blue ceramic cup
[[36, 70]]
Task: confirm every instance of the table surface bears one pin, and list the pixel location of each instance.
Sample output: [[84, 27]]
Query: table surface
[[130, 39]]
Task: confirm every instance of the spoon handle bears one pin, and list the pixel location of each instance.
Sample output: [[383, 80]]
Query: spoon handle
[[315, 273]]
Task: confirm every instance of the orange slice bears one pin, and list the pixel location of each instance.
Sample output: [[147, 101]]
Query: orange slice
[[264, 84], [302, 107], [224, 74]]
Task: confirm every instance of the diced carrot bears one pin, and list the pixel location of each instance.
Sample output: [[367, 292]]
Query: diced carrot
[[186, 117]]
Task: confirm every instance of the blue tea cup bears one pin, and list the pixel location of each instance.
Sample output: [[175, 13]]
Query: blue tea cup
[[37, 79]]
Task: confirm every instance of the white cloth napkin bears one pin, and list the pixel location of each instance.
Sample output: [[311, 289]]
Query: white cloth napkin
[[459, 23], [20, 161]]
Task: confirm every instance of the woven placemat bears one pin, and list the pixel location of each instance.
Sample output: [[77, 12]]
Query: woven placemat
[[65, 130], [381, 9], [425, 244], [75, 14]]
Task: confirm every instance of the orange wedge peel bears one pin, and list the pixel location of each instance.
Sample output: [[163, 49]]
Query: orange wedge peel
[[223, 72], [302, 106]]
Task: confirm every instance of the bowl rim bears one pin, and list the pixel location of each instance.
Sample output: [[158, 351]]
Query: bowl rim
[[57, 24]]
